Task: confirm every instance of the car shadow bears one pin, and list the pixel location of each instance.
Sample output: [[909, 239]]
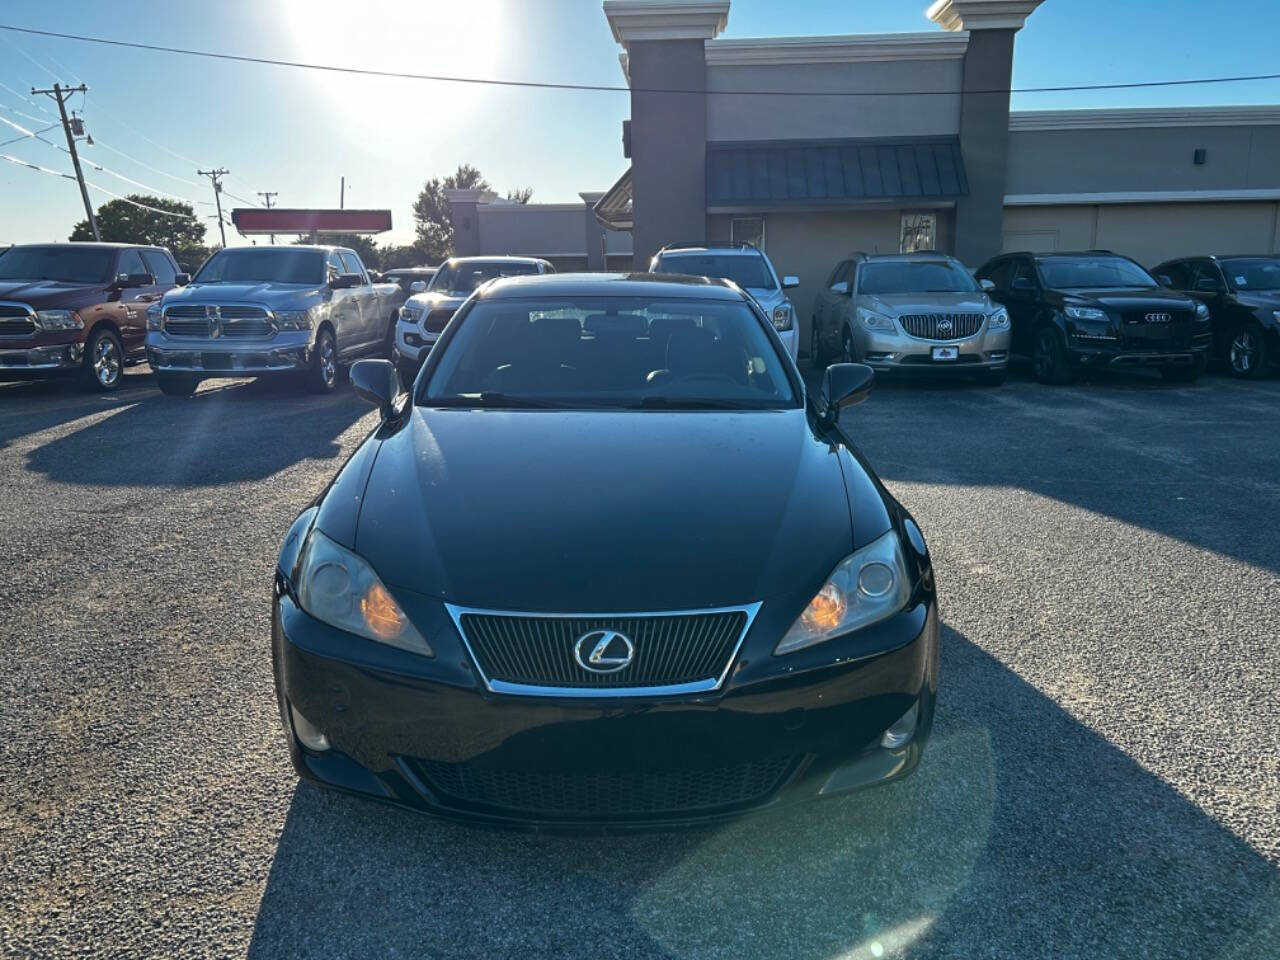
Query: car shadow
[[30, 406], [228, 432], [1023, 834]]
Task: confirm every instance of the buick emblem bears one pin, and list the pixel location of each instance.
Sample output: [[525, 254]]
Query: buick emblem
[[1159, 317], [944, 326], [604, 651]]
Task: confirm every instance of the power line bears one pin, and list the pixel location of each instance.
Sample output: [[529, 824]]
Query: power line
[[611, 88], [66, 176]]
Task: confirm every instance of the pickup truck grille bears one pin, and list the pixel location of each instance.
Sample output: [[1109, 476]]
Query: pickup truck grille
[[941, 326], [437, 320], [16, 320], [233, 320]]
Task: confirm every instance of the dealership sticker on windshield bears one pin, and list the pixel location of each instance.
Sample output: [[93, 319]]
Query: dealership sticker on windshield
[[946, 353]]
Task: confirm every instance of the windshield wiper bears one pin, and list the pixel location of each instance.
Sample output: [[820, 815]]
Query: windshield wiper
[[693, 403], [488, 398]]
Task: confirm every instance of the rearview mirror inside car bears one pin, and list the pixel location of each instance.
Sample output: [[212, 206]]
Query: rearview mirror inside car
[[843, 385], [345, 281], [417, 286], [790, 282], [377, 382], [987, 285]]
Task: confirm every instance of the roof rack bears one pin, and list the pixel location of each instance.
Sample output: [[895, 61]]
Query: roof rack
[[692, 244]]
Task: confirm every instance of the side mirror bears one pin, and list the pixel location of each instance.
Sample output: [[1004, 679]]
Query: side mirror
[[418, 286], [1208, 285], [841, 288], [1022, 284], [182, 279], [1164, 280], [986, 285], [377, 382], [789, 283], [126, 281], [345, 281], [843, 385]]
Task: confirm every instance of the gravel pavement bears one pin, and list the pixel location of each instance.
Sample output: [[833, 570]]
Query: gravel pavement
[[1104, 780]]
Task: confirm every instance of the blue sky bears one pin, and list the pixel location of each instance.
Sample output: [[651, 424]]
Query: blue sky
[[298, 132]]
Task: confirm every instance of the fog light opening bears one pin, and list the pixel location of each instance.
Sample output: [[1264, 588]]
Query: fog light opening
[[902, 730], [311, 736]]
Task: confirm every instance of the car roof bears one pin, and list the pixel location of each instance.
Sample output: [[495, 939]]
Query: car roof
[[711, 248], [676, 286], [410, 270], [921, 256], [497, 258], [93, 245]]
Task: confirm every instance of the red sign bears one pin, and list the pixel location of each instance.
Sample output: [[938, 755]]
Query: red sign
[[281, 220]]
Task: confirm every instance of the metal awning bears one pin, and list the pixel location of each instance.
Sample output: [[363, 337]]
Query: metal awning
[[613, 210], [835, 173]]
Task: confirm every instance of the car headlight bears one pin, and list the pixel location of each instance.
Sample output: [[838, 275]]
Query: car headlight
[[1086, 313], [410, 314], [998, 320], [1202, 312], [782, 316], [295, 319], [340, 588], [874, 321], [867, 587], [59, 320], [155, 317]]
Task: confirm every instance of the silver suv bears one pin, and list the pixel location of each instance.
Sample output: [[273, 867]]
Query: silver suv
[[910, 312]]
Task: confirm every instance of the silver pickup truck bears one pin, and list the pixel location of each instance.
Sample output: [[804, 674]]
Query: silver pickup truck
[[259, 311]]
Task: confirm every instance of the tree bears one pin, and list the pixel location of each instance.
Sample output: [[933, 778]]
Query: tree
[[365, 246], [520, 194], [432, 214], [122, 222], [401, 256]]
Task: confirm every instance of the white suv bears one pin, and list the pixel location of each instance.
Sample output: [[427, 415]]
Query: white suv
[[748, 267]]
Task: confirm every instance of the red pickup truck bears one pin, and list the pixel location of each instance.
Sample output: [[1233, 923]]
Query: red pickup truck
[[79, 308]]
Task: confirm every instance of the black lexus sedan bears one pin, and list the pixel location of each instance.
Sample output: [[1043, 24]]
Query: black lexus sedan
[[605, 564], [1095, 310]]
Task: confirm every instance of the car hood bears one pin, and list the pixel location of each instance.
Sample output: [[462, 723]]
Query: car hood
[[895, 304], [50, 293], [1132, 298], [434, 301], [768, 299], [265, 292], [568, 511]]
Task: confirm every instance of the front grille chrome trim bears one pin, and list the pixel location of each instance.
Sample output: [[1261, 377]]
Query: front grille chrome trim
[[456, 612], [924, 326], [13, 312]]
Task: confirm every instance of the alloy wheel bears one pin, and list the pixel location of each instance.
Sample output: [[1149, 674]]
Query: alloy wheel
[[106, 361], [328, 362], [1244, 352], [1044, 355]]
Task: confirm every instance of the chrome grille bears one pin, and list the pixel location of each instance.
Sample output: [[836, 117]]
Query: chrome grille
[[941, 326], [235, 312], [186, 328], [233, 320], [605, 795], [247, 328], [676, 652], [17, 328], [186, 312], [8, 310]]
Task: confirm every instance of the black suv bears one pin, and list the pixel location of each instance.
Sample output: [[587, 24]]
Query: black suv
[[1096, 309], [1243, 297]]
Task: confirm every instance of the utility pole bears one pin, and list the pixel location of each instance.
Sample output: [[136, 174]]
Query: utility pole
[[267, 196], [60, 94], [215, 177], [342, 195]]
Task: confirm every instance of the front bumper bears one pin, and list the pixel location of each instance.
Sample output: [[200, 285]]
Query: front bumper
[[413, 343], [425, 734], [283, 353], [28, 363], [897, 352]]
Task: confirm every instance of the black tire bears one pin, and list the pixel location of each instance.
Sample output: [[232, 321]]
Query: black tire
[[177, 384], [1050, 359], [1247, 352], [390, 346], [322, 376], [993, 378], [1184, 372], [103, 361], [848, 352], [817, 352]]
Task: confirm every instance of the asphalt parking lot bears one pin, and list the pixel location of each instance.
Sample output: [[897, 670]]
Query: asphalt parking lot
[[1104, 778]]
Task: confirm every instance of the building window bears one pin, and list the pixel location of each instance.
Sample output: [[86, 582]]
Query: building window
[[919, 232], [747, 230]]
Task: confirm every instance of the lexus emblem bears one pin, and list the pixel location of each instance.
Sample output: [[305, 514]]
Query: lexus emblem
[[944, 326], [604, 651], [1159, 317]]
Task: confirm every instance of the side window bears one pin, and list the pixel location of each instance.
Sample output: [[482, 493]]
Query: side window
[[1206, 277], [130, 262], [997, 272], [841, 275], [158, 266], [332, 265], [1179, 274], [1023, 270], [351, 263]]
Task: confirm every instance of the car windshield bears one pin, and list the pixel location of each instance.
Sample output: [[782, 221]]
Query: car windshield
[[749, 271], [460, 277], [1253, 273], [610, 352], [256, 265], [907, 276], [1092, 273], [62, 264]]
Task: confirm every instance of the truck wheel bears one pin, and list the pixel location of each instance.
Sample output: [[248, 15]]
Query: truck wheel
[[322, 377], [103, 360], [177, 384], [1247, 352], [1050, 359]]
